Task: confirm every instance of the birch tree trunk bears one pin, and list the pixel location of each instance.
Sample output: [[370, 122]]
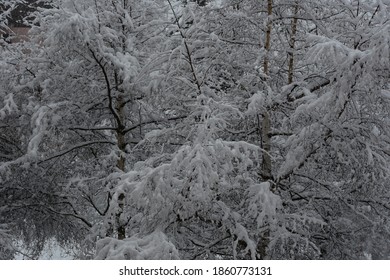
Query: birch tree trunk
[[266, 171], [121, 227], [121, 142], [291, 53]]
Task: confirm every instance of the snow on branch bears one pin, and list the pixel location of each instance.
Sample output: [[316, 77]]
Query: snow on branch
[[150, 247]]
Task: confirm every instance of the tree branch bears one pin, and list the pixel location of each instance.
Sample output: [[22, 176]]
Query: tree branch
[[75, 148], [190, 61], [74, 215], [108, 86], [92, 128], [152, 121]]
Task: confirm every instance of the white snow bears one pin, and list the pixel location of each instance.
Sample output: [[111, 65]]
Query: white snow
[[154, 246]]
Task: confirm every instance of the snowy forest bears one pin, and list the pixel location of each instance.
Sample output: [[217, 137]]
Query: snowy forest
[[196, 129]]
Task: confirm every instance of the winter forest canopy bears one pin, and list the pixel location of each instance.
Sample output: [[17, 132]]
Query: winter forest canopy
[[214, 129]]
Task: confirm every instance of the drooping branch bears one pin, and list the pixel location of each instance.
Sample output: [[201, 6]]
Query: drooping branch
[[82, 145], [74, 215], [94, 206], [152, 121]]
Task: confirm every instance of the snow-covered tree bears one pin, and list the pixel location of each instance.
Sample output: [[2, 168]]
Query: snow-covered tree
[[201, 129], [91, 102], [334, 162]]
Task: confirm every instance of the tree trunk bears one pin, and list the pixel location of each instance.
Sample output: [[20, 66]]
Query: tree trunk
[[266, 146], [294, 23], [268, 38], [266, 172], [121, 227]]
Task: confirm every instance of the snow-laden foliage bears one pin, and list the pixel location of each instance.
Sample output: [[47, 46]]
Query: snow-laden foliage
[[197, 196], [199, 129], [151, 247], [336, 144]]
